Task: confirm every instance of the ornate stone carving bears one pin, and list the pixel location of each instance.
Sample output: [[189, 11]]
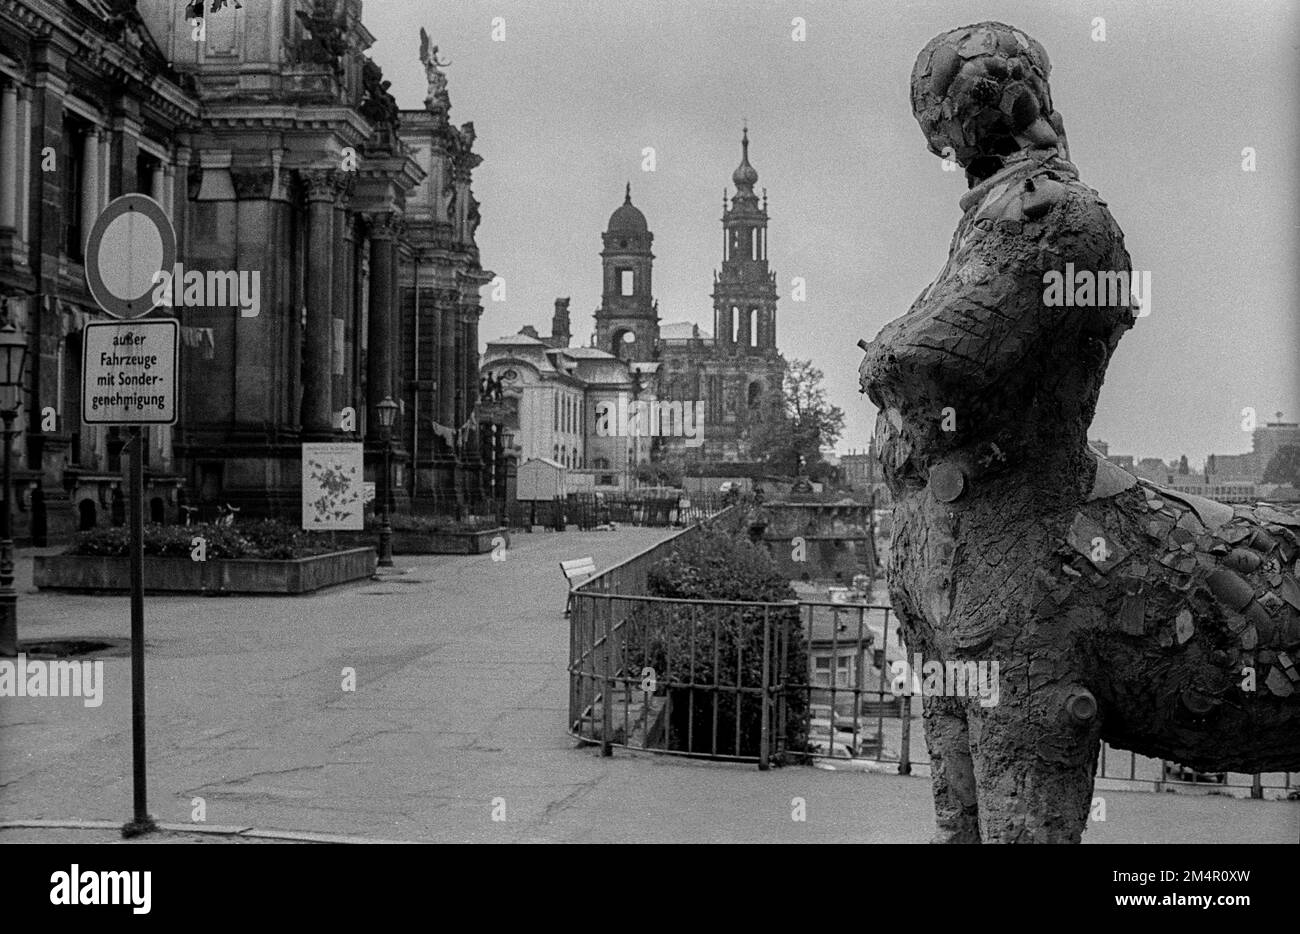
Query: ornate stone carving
[[473, 217], [384, 225], [1112, 609], [345, 183], [436, 99], [252, 183], [377, 105], [320, 184], [327, 43]]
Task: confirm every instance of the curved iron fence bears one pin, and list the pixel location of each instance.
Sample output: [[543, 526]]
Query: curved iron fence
[[718, 679]]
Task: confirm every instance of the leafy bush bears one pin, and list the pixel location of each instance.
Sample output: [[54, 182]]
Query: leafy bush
[[268, 539], [718, 566]]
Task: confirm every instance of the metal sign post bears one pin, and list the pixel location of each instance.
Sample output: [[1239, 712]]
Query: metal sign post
[[141, 822], [129, 378]]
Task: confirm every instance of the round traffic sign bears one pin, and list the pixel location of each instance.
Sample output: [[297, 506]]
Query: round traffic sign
[[130, 242]]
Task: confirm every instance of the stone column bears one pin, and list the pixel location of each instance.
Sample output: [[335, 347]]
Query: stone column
[[169, 189], [317, 397], [447, 312], [395, 337], [348, 396], [8, 155], [156, 186], [342, 304], [24, 160], [89, 182], [105, 169], [179, 213], [383, 291]]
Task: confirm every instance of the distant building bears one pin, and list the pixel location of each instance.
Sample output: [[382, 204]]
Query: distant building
[[732, 378], [859, 469], [542, 401], [1233, 466], [1225, 491], [1265, 442], [1155, 470], [1272, 436]]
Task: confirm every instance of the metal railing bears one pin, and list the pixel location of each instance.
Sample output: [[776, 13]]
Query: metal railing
[[700, 678], [670, 676], [853, 716]]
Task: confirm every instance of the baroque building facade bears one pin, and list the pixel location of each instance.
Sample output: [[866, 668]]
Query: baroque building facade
[[734, 377], [739, 374], [268, 135], [89, 110]]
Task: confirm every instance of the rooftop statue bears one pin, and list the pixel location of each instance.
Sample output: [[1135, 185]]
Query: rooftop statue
[[1116, 610], [432, 70]]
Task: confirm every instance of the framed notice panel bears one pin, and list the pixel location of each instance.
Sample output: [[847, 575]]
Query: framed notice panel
[[333, 486], [128, 372]]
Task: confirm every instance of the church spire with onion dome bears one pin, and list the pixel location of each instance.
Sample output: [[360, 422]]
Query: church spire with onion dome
[[744, 293]]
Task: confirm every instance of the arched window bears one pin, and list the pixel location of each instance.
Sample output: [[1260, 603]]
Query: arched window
[[753, 327], [735, 325], [755, 394], [753, 243], [601, 463]]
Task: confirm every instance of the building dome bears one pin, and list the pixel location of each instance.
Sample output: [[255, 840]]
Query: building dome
[[628, 218], [745, 175]]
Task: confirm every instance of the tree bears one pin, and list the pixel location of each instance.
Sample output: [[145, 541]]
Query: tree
[[1284, 466], [667, 472], [789, 437]]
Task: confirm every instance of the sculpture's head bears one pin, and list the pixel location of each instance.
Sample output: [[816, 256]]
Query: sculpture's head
[[980, 94]]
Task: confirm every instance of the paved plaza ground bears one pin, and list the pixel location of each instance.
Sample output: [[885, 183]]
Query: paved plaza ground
[[459, 711]]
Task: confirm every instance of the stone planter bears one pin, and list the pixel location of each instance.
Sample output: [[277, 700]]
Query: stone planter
[[216, 575], [463, 543], [407, 542]]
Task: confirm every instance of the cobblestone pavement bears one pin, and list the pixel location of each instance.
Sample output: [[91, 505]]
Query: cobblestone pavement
[[459, 711]]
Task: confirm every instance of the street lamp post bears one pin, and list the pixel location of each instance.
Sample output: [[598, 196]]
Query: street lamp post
[[387, 411], [13, 357]]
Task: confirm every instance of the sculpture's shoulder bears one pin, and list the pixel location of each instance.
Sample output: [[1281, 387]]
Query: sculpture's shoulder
[[1045, 196]]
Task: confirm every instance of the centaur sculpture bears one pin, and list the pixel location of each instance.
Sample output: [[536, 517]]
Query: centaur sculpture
[[1117, 610]]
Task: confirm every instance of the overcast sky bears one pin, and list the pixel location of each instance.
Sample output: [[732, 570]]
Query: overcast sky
[[1157, 116]]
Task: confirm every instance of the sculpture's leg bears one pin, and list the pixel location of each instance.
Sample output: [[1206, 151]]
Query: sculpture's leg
[[955, 805], [1035, 757]]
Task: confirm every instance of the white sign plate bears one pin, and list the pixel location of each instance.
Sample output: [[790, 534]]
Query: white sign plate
[[128, 372]]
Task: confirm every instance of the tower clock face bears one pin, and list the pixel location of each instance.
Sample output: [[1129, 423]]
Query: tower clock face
[[629, 337]]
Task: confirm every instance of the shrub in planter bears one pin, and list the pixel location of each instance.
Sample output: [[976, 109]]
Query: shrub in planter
[[268, 539], [271, 538], [718, 566]]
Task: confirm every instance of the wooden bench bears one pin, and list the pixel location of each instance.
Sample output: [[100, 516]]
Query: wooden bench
[[574, 569]]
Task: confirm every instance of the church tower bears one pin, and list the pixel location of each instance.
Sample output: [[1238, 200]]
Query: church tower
[[627, 322], [744, 293]]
